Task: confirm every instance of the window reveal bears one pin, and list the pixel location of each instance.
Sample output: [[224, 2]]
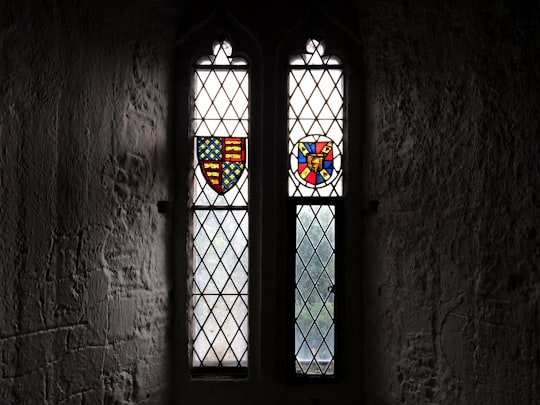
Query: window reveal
[[219, 291]]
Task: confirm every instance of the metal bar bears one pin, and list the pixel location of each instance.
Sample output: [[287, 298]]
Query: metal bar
[[222, 294], [220, 208], [222, 67], [230, 119], [315, 200], [315, 67]]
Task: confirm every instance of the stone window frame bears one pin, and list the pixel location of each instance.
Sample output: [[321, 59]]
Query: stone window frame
[[263, 224]]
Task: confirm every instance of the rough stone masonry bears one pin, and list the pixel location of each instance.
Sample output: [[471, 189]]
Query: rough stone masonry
[[451, 282]]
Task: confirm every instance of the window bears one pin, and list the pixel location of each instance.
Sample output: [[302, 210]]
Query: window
[[219, 283], [315, 185], [219, 287], [263, 254]]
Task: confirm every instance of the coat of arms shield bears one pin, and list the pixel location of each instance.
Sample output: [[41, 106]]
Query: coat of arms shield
[[315, 161], [222, 161]]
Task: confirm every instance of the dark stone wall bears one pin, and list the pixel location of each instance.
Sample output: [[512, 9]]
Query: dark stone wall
[[452, 286], [83, 297], [451, 151]]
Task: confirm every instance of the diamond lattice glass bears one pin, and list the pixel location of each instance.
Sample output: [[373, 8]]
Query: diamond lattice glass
[[314, 293], [220, 288], [219, 323], [316, 95]]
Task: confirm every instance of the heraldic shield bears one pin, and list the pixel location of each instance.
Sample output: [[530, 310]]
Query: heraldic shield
[[222, 161], [315, 161]]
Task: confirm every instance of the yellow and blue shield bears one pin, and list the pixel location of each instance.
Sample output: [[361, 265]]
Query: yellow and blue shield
[[222, 161]]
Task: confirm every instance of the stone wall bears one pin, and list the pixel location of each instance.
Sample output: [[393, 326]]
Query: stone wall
[[451, 151], [83, 299], [453, 284]]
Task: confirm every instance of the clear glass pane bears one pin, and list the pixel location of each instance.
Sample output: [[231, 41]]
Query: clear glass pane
[[314, 294], [315, 116], [219, 327]]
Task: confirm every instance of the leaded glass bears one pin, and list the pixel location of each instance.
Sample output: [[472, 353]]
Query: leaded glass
[[221, 89], [315, 114], [314, 291], [219, 291], [220, 288]]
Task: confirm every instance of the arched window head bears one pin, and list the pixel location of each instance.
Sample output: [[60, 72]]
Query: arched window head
[[315, 55], [222, 55]]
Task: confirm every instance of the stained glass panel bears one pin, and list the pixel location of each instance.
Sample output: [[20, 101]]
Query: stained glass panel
[[314, 292], [220, 124], [316, 95], [221, 110]]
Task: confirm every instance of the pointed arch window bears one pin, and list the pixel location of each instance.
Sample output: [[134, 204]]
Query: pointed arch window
[[262, 187], [315, 190], [220, 218], [220, 195]]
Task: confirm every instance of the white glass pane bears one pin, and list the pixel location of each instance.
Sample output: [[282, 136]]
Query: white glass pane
[[314, 296], [219, 327]]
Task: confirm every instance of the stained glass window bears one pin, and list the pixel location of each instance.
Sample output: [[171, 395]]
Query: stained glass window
[[315, 142], [219, 290], [315, 123]]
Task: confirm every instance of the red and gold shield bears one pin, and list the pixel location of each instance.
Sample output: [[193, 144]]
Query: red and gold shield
[[222, 161]]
